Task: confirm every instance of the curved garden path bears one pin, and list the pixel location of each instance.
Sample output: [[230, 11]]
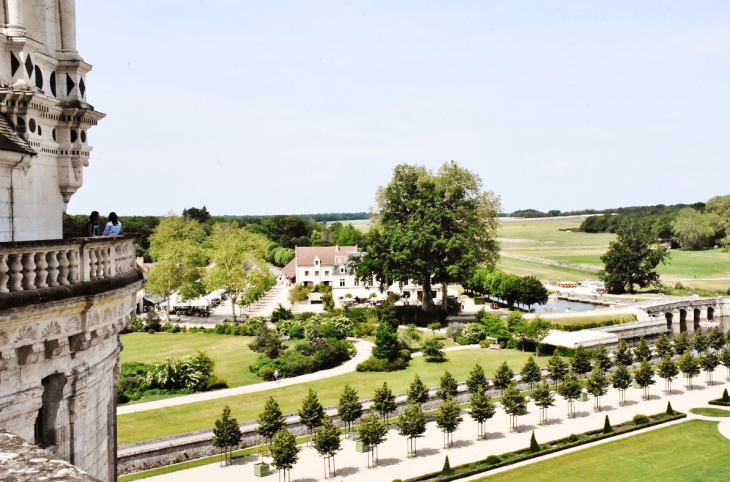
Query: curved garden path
[[364, 349]]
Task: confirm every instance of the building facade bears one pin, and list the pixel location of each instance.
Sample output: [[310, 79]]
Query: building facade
[[62, 302]]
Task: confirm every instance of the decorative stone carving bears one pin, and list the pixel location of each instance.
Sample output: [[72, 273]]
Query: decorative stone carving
[[53, 328], [3, 338], [26, 333], [107, 315], [73, 324]]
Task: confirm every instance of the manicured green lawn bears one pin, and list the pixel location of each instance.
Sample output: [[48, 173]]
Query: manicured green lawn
[[194, 416], [692, 450], [710, 412], [230, 353]]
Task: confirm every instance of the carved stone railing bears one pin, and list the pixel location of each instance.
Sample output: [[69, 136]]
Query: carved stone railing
[[57, 266]]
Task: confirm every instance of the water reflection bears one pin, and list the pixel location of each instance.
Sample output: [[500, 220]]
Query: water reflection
[[559, 306], [691, 327]]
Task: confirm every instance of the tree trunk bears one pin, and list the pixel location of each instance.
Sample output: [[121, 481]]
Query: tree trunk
[[427, 302], [444, 297], [233, 306]]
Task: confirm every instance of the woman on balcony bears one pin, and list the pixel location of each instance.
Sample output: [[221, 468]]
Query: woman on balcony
[[113, 227]]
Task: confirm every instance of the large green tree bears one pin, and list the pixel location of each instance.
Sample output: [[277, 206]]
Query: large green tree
[[175, 248], [431, 228], [631, 260], [237, 261]]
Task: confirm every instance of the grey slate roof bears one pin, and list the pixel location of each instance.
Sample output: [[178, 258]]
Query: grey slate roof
[[10, 140]]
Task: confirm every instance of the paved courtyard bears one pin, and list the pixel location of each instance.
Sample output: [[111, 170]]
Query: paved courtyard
[[352, 466]]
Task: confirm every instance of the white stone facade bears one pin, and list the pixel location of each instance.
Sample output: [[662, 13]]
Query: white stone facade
[[62, 302], [43, 95]]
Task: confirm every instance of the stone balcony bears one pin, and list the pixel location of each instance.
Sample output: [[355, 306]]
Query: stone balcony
[[41, 271]]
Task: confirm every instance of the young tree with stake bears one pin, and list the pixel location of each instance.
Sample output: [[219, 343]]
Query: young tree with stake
[[708, 363], [226, 435], [373, 432], [514, 404], [482, 409], [384, 401], [284, 452], [311, 414], [668, 371], [570, 390], [581, 361], [621, 381], [270, 420], [349, 408], [664, 347], [724, 358], [531, 372], [642, 350], [644, 377], [327, 444], [544, 399], [601, 358], [448, 419], [557, 369], [690, 367], [412, 424], [597, 386]]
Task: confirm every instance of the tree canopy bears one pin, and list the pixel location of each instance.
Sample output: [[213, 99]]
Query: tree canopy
[[631, 260], [430, 227]]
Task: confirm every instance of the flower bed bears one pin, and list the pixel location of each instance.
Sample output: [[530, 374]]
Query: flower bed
[[509, 458]]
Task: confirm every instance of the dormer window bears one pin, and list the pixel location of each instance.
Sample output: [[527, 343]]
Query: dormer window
[[342, 270], [316, 262]]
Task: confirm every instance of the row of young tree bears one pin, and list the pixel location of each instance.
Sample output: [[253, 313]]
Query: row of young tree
[[510, 288], [568, 377]]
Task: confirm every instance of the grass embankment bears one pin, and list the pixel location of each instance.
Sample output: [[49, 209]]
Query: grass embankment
[[151, 424], [585, 319], [544, 248], [710, 412], [692, 450]]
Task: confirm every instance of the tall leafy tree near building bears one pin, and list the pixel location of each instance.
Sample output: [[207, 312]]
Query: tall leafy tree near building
[[432, 228]]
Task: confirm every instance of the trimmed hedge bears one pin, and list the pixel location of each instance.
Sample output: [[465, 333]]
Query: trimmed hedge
[[719, 401], [493, 461]]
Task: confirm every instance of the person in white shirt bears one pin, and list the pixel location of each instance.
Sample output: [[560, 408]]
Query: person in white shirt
[[113, 227]]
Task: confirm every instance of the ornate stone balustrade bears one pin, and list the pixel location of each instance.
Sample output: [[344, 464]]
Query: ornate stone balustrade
[[37, 271]]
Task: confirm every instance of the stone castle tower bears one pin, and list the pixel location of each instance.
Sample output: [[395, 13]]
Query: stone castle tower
[[62, 302]]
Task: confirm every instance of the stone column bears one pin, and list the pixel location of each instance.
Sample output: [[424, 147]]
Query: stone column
[[15, 27], [68, 25]]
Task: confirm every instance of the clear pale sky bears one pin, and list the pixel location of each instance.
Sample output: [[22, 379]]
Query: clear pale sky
[[264, 107]]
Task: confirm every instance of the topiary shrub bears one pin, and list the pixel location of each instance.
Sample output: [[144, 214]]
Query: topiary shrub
[[607, 426], [640, 419], [447, 467], [493, 459], [670, 411], [572, 438], [725, 397], [534, 446]]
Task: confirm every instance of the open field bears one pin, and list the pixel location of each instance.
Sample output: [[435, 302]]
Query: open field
[[194, 416], [692, 450], [539, 247], [230, 353], [580, 320]]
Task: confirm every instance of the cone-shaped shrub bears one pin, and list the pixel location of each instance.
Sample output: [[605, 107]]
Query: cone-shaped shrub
[[670, 410], [534, 446], [607, 428], [725, 396], [447, 467]]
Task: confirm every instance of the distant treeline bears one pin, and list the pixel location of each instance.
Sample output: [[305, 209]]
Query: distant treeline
[[660, 217], [534, 213], [286, 231], [320, 218]]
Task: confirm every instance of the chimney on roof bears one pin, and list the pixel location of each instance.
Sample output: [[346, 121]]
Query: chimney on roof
[[337, 248]]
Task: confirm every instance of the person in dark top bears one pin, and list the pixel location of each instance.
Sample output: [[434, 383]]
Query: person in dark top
[[92, 227]]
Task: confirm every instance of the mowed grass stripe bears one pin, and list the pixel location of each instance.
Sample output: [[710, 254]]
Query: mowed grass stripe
[[692, 450], [151, 424]]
